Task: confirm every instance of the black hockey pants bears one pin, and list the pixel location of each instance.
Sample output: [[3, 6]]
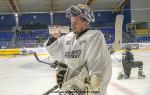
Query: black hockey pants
[[128, 66]]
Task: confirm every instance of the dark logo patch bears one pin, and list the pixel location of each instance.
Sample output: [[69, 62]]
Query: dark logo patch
[[73, 54]]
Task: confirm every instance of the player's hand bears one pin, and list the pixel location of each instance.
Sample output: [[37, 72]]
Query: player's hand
[[56, 34]]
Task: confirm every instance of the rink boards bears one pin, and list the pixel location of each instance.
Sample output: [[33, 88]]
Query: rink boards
[[43, 51]]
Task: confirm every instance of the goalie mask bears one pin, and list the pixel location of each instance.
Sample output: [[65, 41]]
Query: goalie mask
[[80, 10]]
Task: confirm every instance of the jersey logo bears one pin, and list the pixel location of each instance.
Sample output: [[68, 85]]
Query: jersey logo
[[73, 54]]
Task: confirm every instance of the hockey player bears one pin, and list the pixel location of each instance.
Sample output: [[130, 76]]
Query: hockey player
[[85, 53], [129, 63]]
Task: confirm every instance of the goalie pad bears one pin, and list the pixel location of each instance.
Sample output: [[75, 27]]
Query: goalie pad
[[82, 84]]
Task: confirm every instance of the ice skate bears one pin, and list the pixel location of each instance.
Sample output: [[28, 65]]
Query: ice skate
[[141, 75]]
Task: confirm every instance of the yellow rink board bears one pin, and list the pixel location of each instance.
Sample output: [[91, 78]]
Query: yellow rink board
[[9, 51], [141, 31]]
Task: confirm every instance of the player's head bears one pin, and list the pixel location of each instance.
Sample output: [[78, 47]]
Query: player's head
[[82, 11], [80, 15]]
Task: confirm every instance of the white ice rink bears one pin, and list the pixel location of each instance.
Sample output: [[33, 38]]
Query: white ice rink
[[23, 75]]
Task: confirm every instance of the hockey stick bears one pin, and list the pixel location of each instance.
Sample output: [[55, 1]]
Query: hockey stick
[[53, 65], [51, 90], [118, 33]]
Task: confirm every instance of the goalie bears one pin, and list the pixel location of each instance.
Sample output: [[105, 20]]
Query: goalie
[[85, 53]]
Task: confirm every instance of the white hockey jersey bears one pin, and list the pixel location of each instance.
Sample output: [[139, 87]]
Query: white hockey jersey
[[90, 47]]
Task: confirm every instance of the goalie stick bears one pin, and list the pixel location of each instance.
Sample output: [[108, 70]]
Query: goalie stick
[[51, 90], [53, 65]]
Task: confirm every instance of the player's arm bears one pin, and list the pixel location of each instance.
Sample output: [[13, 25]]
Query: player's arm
[[54, 46], [99, 62]]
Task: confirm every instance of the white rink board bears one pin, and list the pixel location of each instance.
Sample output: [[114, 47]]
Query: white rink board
[[62, 29], [137, 45], [41, 50]]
